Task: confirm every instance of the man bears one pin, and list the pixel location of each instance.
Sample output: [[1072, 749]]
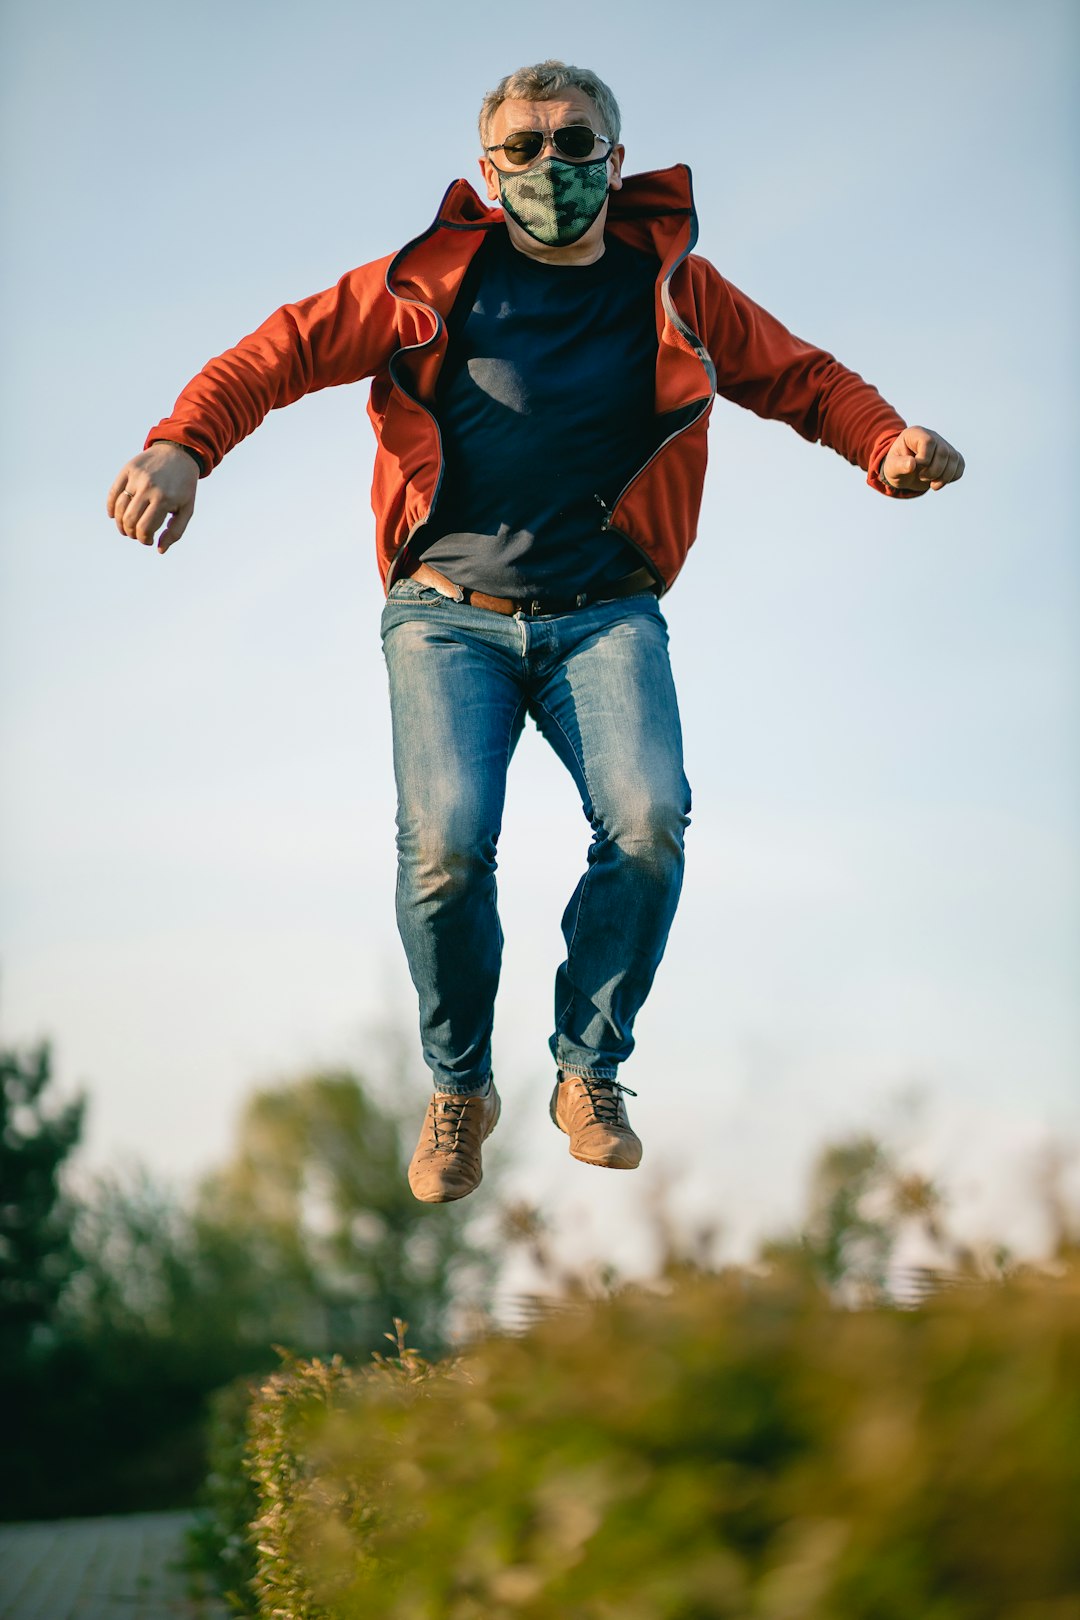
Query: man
[[542, 377]]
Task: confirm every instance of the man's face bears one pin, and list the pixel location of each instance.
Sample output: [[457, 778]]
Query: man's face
[[569, 107]]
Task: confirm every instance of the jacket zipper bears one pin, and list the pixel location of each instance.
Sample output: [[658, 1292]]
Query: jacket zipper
[[413, 348], [606, 523]]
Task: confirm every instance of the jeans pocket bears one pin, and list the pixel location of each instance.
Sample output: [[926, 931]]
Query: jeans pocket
[[407, 590]]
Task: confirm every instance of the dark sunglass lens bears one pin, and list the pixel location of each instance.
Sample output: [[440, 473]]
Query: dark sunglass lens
[[575, 141], [522, 148]]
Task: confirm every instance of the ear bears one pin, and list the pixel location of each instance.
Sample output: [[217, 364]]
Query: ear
[[615, 158], [490, 174]]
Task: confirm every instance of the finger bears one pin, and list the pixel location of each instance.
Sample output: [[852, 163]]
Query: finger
[[152, 517], [120, 506], [919, 442], [133, 511], [897, 462], [934, 470], [954, 466], [116, 489], [175, 526]]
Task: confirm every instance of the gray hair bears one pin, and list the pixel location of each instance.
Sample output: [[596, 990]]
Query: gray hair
[[543, 82]]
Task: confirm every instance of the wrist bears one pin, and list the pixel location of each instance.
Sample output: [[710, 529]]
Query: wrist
[[188, 451]]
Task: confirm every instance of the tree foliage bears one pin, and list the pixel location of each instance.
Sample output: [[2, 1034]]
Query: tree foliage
[[316, 1195], [140, 1301], [37, 1254], [862, 1201]]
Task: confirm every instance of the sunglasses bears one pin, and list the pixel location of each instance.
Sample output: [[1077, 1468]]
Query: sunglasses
[[574, 141]]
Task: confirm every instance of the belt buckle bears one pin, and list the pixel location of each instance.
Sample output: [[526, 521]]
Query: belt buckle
[[535, 608]]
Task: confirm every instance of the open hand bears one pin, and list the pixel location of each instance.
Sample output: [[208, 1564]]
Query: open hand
[[919, 460], [158, 483]]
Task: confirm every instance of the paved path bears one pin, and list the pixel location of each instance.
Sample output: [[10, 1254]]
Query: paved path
[[98, 1569]]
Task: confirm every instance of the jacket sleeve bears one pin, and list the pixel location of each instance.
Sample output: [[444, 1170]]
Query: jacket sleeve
[[764, 367], [336, 336]]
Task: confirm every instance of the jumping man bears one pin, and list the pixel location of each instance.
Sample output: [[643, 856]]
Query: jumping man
[[542, 376]]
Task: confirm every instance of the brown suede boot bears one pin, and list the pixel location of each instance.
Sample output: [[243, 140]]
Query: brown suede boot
[[446, 1164], [593, 1115]]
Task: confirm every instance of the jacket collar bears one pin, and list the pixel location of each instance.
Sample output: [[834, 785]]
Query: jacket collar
[[653, 211]]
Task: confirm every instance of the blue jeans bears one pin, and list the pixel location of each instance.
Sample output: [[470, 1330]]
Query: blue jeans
[[597, 682]]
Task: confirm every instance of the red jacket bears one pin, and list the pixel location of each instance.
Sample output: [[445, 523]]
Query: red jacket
[[386, 321]]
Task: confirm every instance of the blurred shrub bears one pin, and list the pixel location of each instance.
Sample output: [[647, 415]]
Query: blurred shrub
[[263, 1501], [727, 1446]]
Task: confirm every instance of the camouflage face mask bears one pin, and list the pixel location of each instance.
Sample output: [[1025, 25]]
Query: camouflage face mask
[[555, 202]]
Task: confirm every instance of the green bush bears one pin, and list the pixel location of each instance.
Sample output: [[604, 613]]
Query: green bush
[[264, 1501], [727, 1446]]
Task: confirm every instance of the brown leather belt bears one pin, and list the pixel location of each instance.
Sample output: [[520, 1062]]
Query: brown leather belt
[[642, 579]]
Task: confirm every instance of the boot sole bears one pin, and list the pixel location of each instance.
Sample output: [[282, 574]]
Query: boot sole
[[604, 1164]]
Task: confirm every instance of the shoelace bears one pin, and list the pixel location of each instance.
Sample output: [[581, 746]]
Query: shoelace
[[606, 1098], [449, 1113]]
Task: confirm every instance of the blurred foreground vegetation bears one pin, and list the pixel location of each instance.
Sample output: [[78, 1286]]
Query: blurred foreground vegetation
[[735, 1445], [123, 1309], [822, 1435], [829, 1433]]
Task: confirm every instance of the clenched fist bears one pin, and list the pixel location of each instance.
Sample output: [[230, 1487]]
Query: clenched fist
[[159, 483], [919, 460]]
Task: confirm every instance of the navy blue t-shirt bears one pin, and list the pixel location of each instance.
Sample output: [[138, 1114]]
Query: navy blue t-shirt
[[545, 402]]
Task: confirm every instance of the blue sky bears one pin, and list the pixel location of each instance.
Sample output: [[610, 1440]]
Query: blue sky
[[879, 698]]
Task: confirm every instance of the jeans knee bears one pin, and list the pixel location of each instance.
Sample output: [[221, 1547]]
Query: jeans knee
[[445, 857], [650, 826]]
